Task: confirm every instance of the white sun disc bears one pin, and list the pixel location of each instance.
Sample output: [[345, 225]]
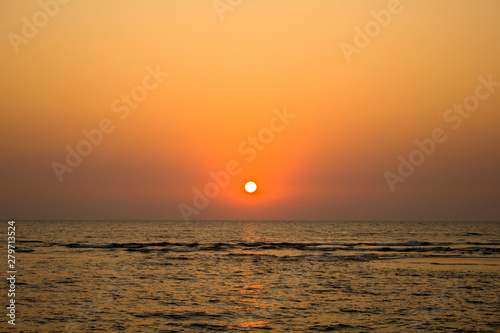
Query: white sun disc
[[250, 187]]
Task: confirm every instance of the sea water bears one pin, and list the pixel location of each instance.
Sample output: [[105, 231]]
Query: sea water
[[232, 276]]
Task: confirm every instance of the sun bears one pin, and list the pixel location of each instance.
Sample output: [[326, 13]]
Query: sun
[[250, 187]]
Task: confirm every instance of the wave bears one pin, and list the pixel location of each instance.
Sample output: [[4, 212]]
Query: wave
[[328, 250], [128, 245], [482, 248], [483, 243], [260, 245]]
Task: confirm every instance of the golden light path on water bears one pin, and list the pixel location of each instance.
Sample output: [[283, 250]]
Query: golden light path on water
[[251, 289]]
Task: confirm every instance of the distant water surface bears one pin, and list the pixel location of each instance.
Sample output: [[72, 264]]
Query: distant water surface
[[232, 276]]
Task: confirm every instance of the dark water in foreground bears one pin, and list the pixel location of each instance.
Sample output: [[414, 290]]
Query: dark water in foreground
[[251, 276]]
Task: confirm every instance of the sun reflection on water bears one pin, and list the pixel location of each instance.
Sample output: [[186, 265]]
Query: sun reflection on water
[[251, 292], [259, 323]]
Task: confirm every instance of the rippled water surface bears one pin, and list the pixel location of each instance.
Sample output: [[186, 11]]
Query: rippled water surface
[[144, 276]]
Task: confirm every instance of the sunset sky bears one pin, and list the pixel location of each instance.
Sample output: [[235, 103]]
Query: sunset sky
[[338, 90]]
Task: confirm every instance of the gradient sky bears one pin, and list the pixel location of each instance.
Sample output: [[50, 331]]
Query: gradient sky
[[353, 117]]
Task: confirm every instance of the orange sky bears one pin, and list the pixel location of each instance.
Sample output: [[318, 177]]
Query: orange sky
[[223, 72]]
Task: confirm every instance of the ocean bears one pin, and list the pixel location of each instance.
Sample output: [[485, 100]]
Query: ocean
[[238, 276]]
